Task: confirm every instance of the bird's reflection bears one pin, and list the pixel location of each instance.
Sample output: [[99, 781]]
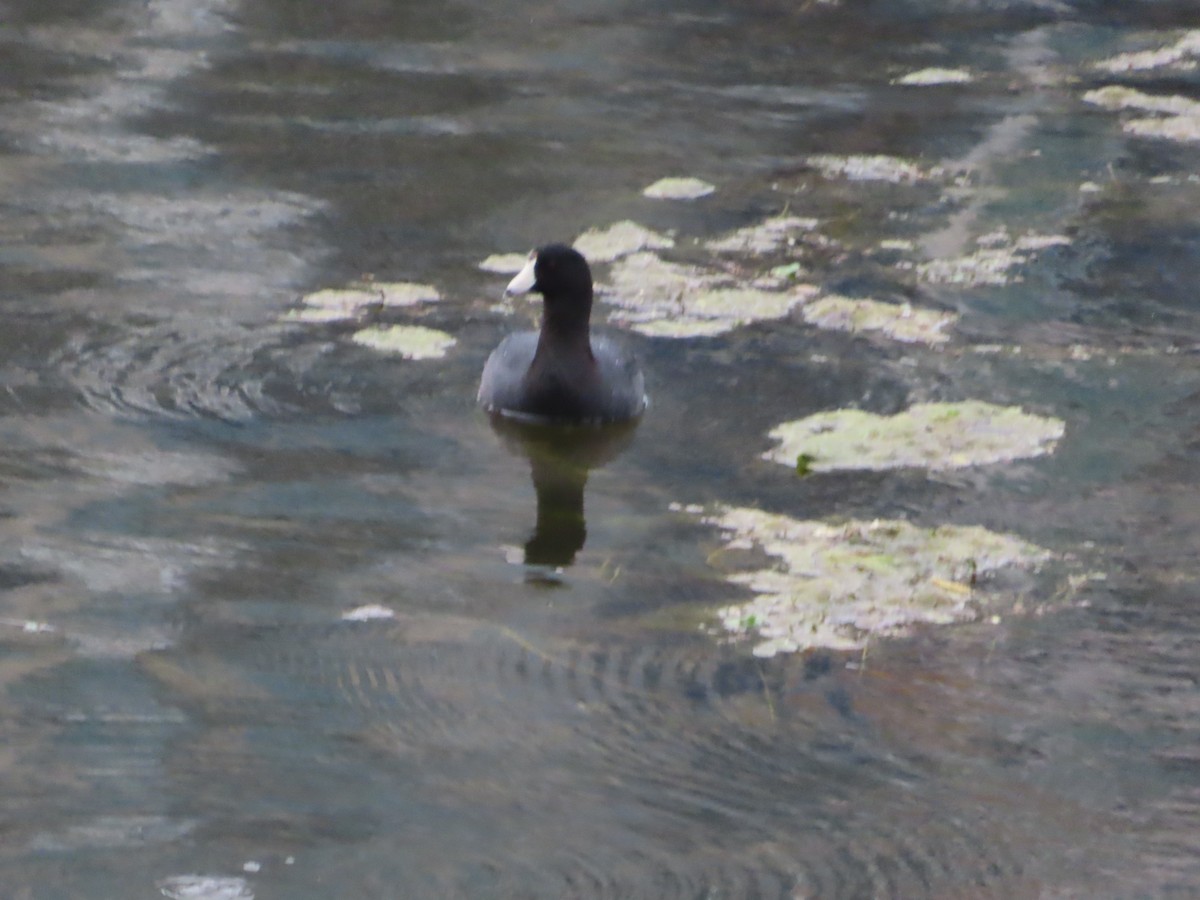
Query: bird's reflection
[[560, 459]]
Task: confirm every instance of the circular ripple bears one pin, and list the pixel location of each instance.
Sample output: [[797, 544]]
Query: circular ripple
[[235, 374], [652, 770]]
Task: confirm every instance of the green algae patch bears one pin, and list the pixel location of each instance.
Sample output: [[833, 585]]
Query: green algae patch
[[840, 585], [927, 435], [663, 299], [620, 239], [935, 76], [410, 341], [337, 304], [872, 168], [765, 237], [899, 321], [678, 189]]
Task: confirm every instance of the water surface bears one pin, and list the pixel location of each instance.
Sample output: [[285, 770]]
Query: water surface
[[195, 488]]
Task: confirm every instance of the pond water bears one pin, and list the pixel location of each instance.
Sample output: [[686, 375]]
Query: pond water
[[282, 616]]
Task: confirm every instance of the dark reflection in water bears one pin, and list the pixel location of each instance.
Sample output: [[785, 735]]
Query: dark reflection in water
[[560, 459]]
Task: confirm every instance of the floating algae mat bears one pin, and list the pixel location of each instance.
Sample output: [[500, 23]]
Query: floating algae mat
[[839, 585], [678, 189], [336, 304], [505, 263], [935, 76], [1183, 54], [1179, 119], [899, 321], [662, 299], [927, 435], [410, 341], [992, 264], [765, 237], [620, 239], [872, 168]]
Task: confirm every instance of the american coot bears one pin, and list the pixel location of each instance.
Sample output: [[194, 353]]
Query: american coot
[[561, 373]]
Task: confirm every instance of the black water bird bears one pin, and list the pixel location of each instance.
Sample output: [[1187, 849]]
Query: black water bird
[[561, 373]]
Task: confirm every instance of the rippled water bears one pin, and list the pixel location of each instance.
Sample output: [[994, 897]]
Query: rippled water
[[196, 488]]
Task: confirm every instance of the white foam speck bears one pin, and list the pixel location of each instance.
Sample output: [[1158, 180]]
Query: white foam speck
[[205, 887], [368, 613]]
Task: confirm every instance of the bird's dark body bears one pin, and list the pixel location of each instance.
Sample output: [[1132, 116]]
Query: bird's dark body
[[561, 373]]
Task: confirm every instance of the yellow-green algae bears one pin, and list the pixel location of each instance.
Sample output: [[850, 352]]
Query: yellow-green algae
[[926, 77], [663, 299], [678, 189], [926, 435], [899, 321], [839, 585], [336, 304], [620, 239], [410, 341]]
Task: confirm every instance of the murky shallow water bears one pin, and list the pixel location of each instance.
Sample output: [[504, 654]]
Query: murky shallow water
[[196, 489]]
